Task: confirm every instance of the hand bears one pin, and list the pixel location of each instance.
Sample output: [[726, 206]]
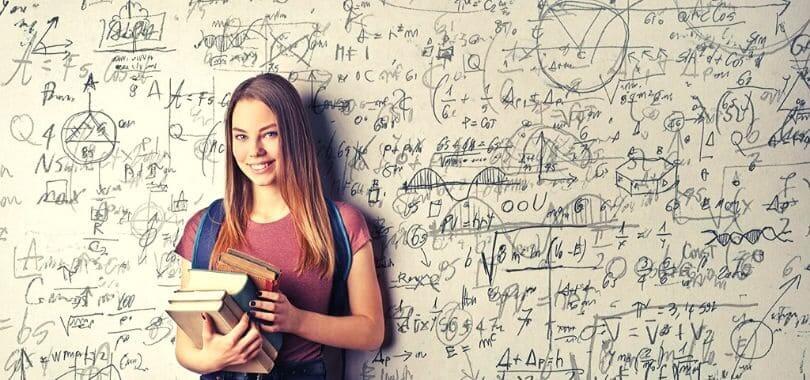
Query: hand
[[238, 346], [277, 313]]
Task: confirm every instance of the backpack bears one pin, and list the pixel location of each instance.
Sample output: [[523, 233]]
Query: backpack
[[206, 236]]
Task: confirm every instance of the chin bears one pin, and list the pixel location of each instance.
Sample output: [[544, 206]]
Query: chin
[[264, 183], [263, 180], [260, 181]]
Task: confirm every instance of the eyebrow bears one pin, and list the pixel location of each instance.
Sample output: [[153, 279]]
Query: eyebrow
[[261, 129]]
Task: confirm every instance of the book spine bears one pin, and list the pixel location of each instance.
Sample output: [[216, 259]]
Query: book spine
[[260, 280], [271, 285], [250, 271], [230, 318], [234, 255], [248, 293], [196, 295]]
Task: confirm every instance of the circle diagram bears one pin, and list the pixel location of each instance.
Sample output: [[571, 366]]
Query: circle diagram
[[89, 136], [582, 45]]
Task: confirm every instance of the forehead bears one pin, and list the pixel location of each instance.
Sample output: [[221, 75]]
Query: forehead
[[252, 114]]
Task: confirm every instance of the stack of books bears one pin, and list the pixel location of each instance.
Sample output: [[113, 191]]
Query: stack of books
[[225, 294], [264, 275]]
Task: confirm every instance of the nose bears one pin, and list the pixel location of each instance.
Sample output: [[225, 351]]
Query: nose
[[258, 149]]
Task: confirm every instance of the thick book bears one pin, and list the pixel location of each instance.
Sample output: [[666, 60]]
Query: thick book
[[237, 285], [185, 307], [196, 295], [263, 274]]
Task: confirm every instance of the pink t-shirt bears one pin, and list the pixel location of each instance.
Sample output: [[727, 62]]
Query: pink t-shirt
[[275, 243]]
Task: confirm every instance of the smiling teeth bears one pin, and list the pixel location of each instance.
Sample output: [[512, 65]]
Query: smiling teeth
[[260, 166]]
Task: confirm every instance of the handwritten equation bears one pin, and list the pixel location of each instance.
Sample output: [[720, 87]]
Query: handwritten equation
[[556, 189]]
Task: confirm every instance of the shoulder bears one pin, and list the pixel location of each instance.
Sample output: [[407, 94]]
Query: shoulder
[[194, 221], [185, 246], [349, 212], [355, 223]]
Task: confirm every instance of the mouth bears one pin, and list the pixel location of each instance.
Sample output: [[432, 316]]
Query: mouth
[[261, 167]]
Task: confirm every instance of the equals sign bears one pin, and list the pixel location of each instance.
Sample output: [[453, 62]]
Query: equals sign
[[3, 323]]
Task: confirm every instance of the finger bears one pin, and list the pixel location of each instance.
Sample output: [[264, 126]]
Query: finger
[[254, 352], [274, 328], [264, 316], [252, 337], [270, 296], [239, 330], [253, 344], [208, 327], [252, 334], [263, 305]]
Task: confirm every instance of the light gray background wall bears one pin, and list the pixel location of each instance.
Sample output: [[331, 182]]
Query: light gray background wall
[[562, 190]]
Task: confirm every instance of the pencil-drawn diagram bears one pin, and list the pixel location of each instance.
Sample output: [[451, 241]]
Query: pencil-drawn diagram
[[646, 176], [133, 29], [594, 50], [89, 136]]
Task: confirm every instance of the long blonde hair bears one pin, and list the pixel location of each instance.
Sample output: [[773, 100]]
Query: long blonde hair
[[298, 178]]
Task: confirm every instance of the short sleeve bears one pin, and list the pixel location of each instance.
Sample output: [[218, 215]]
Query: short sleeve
[[355, 224], [185, 247]]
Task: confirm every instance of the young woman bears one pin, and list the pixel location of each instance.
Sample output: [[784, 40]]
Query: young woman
[[275, 210]]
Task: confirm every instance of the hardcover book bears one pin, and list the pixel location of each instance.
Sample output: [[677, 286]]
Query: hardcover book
[[264, 275], [238, 286], [185, 307]]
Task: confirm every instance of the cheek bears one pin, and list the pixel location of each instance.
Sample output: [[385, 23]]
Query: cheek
[[238, 153], [275, 147]]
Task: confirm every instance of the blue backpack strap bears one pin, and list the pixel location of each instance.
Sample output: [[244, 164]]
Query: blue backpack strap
[[207, 232], [339, 299]]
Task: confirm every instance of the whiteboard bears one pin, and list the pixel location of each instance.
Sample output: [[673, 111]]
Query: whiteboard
[[555, 189]]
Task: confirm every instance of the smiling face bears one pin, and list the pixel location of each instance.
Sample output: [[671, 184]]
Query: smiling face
[[256, 142]]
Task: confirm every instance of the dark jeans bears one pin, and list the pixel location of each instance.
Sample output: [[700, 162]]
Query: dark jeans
[[308, 370]]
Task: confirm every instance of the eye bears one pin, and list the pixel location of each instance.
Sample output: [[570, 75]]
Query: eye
[[271, 134], [240, 136]]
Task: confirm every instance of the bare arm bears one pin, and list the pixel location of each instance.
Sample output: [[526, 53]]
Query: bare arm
[[240, 345], [362, 330]]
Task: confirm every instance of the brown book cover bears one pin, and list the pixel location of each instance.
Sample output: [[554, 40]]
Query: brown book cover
[[264, 275], [186, 314], [238, 286]]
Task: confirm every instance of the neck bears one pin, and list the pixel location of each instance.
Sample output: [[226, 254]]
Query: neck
[[268, 204]]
